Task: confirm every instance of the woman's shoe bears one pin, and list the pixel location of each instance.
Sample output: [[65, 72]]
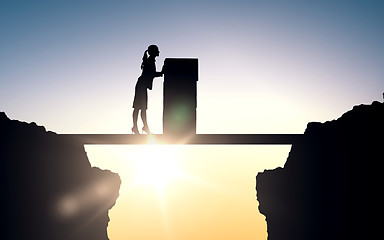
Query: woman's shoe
[[135, 130], [146, 129]]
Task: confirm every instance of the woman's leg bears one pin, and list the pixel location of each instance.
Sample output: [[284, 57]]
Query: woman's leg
[[135, 115], [144, 118]]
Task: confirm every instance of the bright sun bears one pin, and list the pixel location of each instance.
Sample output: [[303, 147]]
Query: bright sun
[[156, 166]]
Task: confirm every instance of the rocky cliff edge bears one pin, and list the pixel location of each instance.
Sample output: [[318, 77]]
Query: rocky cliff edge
[[48, 188], [331, 184]]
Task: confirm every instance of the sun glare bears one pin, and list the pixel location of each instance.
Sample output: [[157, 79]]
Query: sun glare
[[156, 166]]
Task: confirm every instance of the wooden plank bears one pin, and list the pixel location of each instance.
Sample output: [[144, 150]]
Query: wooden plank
[[197, 139]]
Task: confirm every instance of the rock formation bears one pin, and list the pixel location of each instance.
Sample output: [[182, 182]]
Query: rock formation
[[331, 183], [48, 188]]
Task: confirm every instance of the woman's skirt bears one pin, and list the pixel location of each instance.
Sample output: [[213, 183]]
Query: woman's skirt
[[141, 96]]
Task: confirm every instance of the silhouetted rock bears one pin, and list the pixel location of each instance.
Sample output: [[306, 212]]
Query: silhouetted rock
[[48, 188], [331, 183]]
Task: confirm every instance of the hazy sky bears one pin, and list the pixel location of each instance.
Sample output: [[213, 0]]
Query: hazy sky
[[72, 65], [264, 67]]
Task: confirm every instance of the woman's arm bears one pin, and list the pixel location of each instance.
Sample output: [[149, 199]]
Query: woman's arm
[[158, 74]]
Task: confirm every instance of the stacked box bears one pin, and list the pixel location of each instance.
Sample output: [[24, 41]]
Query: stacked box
[[180, 91]]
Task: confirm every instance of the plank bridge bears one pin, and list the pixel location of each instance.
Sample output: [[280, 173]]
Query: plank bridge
[[195, 139]]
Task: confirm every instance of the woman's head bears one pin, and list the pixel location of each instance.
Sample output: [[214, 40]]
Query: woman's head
[[153, 51]]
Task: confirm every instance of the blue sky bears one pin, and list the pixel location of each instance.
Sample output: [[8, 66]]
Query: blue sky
[[72, 65]]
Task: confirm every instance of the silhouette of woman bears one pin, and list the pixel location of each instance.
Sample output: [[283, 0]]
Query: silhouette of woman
[[145, 81]]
